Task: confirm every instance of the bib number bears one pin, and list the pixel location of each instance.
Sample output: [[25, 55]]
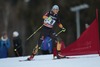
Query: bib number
[[49, 21]]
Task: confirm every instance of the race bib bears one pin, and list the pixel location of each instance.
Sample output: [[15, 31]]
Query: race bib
[[49, 21]]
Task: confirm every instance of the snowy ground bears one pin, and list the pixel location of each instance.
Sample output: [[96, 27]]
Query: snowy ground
[[47, 61]]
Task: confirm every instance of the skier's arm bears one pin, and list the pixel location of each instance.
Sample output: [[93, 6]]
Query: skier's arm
[[60, 25], [45, 16]]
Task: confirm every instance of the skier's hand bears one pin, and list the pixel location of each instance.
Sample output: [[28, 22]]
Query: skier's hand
[[63, 29], [15, 49]]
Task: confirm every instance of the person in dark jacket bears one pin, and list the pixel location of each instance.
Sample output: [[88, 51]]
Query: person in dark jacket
[[46, 46], [17, 44], [4, 46]]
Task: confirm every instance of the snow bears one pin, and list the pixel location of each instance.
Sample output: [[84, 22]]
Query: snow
[[47, 61]]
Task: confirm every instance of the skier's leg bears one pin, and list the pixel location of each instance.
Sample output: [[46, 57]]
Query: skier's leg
[[35, 50], [58, 52], [54, 52], [43, 34], [54, 38]]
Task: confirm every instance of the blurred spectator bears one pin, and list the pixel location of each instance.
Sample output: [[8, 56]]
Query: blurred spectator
[[17, 44], [46, 46], [4, 45]]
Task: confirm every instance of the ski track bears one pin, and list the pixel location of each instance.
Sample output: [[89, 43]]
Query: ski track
[[47, 61]]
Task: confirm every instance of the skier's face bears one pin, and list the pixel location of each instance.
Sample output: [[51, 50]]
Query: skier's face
[[55, 11]]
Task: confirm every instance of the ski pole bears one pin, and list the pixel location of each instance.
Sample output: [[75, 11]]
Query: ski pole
[[34, 32], [59, 33]]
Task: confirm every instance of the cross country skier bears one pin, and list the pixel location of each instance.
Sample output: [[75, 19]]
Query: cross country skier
[[50, 19]]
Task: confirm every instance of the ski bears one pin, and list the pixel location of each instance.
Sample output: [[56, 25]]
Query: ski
[[66, 58], [25, 60], [72, 57]]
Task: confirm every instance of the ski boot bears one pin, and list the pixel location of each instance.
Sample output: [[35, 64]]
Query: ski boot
[[31, 57]]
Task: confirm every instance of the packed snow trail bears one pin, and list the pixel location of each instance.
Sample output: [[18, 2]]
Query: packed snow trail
[[47, 61]]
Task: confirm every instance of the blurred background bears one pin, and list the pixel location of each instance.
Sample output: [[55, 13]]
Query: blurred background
[[25, 16]]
